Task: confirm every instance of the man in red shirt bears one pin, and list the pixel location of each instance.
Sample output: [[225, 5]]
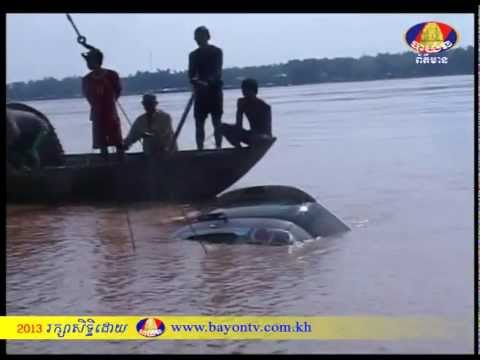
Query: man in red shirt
[[102, 88]]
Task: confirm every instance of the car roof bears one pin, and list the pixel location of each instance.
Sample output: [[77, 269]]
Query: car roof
[[282, 211], [257, 195]]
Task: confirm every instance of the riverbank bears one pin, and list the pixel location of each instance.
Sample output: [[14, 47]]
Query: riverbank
[[230, 87]]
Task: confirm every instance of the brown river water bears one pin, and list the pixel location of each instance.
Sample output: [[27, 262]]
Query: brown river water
[[392, 159]]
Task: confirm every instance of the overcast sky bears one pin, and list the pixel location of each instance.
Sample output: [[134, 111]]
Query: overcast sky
[[43, 45]]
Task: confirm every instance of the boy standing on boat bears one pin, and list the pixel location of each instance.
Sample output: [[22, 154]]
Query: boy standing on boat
[[102, 88], [258, 113], [155, 127], [205, 72]]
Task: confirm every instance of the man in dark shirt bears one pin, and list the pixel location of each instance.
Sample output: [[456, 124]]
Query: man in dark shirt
[[258, 113], [205, 72]]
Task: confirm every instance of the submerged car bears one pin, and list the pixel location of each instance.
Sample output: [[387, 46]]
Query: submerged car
[[265, 215]]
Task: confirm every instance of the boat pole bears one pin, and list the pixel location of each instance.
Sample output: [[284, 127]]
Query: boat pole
[[177, 132], [182, 121]]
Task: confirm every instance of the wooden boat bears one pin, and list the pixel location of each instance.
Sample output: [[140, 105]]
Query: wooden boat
[[186, 175]]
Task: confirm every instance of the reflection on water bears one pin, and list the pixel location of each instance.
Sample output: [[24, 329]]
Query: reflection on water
[[399, 176]]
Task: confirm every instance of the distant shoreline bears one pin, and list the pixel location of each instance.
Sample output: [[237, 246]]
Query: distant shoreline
[[231, 87], [292, 73]]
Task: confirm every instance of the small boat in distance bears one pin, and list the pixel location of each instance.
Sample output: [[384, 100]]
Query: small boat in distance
[[188, 175]]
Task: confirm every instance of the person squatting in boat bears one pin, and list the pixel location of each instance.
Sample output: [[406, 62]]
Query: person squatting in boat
[[258, 113], [154, 127]]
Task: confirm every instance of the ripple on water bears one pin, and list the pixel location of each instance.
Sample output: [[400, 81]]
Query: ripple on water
[[402, 196]]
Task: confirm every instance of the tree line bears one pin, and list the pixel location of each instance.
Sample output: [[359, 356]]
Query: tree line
[[294, 72]]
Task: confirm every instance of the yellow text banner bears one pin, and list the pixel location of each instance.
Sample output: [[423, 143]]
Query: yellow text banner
[[181, 327]]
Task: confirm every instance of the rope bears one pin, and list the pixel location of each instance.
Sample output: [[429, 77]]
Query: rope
[[132, 238], [126, 116], [124, 113], [181, 208], [193, 230], [82, 40]]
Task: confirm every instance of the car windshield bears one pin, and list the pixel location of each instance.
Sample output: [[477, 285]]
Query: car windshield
[[218, 237]]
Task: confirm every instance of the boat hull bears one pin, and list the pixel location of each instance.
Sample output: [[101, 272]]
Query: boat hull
[[186, 175]]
